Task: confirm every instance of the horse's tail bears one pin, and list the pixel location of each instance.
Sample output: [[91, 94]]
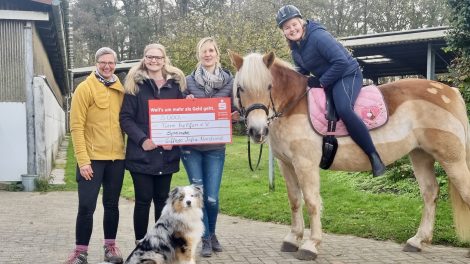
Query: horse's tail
[[460, 208], [467, 144], [461, 214]]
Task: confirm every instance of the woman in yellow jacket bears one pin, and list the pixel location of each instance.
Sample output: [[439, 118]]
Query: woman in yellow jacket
[[99, 150]]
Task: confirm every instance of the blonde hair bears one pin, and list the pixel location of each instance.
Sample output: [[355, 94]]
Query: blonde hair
[[199, 49], [168, 71]]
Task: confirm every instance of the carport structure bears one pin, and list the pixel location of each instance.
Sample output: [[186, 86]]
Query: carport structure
[[411, 52]]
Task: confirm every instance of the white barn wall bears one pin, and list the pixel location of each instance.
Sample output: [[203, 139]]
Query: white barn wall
[[49, 126], [13, 149], [35, 50]]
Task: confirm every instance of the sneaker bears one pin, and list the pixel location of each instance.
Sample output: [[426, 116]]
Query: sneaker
[[77, 257], [112, 254], [206, 250], [216, 247]]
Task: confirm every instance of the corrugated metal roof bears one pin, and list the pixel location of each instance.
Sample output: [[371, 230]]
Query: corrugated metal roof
[[400, 52], [12, 81], [54, 32], [416, 35]]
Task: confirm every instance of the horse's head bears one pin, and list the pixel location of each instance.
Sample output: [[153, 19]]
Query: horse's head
[[251, 88]]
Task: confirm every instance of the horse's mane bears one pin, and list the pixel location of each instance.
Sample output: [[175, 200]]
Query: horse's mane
[[284, 64], [255, 74]]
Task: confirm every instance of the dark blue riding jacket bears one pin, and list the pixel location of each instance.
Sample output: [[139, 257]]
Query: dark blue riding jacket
[[319, 53]]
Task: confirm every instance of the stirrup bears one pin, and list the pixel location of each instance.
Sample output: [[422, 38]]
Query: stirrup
[[330, 146]]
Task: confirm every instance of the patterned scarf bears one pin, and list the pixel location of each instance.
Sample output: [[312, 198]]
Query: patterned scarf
[[102, 80], [208, 80]]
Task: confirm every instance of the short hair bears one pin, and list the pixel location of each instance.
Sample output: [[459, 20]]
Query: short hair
[[103, 51]]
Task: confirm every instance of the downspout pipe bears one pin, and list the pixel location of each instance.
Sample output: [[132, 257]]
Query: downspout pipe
[[62, 21], [58, 20]]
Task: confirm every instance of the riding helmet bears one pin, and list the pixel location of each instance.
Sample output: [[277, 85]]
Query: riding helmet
[[285, 13]]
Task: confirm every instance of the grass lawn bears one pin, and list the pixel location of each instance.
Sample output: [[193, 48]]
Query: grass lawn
[[346, 208]]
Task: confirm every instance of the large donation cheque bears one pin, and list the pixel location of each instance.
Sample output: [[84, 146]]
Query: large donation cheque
[[190, 121]]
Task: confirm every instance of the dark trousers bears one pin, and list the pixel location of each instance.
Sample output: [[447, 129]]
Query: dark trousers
[[147, 188], [345, 92], [110, 175]]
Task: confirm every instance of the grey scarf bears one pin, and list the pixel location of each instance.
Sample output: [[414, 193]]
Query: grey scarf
[[107, 83], [208, 80]]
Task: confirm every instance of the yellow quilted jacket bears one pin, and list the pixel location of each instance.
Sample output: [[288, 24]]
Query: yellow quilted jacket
[[94, 121]]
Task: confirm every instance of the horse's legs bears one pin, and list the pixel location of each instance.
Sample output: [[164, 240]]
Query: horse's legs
[[292, 240], [308, 176], [423, 167]]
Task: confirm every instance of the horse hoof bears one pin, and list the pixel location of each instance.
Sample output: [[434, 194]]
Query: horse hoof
[[303, 254], [410, 248], [468, 254], [289, 247]]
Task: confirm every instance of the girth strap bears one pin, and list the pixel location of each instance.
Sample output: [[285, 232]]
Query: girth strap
[[330, 114]]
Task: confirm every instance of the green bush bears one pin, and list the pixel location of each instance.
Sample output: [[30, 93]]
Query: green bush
[[42, 184], [15, 187], [239, 129], [400, 170], [400, 180]]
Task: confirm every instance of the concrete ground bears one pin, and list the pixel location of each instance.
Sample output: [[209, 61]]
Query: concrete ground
[[40, 228]]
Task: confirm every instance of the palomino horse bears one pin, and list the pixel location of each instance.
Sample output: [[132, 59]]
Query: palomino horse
[[427, 120]]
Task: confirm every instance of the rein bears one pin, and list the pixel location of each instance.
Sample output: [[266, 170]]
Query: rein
[[286, 109], [245, 112], [249, 155]]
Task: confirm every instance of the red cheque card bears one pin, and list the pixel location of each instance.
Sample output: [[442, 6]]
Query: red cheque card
[[190, 121]]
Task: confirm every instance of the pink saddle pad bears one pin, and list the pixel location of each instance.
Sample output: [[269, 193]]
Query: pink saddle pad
[[369, 106]]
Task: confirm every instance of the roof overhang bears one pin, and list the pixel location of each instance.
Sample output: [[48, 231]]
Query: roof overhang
[[401, 52], [123, 66], [24, 15], [47, 2]]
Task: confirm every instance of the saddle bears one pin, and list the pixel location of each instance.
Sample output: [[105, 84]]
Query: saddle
[[370, 107]]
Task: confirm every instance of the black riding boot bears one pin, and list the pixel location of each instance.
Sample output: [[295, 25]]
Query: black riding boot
[[378, 168]]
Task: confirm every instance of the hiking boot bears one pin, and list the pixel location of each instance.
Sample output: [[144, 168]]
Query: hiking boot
[[216, 247], [112, 254], [206, 250], [378, 168], [77, 257]]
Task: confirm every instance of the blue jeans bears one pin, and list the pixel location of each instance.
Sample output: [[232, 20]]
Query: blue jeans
[[205, 168]]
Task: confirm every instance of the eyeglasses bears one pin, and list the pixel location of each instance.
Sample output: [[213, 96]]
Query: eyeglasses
[[104, 63], [151, 58]]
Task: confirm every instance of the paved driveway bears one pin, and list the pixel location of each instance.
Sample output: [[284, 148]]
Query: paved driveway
[[39, 228]]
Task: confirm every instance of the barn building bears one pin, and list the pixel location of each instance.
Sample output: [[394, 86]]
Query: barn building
[[35, 55]]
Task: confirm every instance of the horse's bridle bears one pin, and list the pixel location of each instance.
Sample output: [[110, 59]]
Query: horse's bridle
[[245, 112]]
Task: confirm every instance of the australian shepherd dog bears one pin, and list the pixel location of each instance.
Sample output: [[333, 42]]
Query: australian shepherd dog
[[176, 234]]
